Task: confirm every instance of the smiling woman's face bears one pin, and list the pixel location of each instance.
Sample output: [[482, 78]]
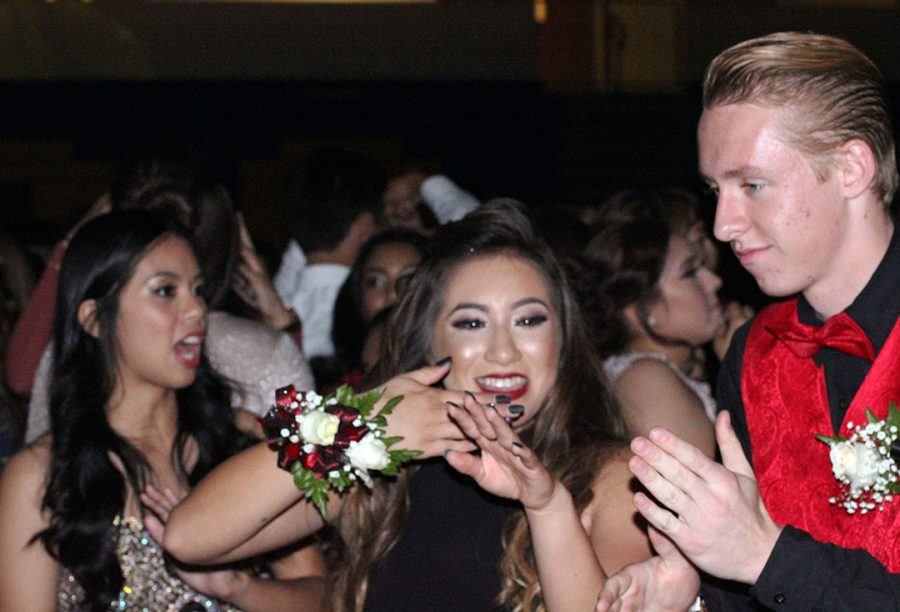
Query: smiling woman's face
[[498, 323]]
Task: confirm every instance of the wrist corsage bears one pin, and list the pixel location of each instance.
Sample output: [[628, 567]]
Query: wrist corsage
[[866, 463], [330, 442]]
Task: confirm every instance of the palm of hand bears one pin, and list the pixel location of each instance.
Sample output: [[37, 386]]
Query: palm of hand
[[506, 475]]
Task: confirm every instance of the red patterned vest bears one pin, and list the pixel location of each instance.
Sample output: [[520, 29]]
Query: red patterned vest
[[786, 404]]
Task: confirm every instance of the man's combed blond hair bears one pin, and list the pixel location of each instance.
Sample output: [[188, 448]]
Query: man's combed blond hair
[[831, 91]]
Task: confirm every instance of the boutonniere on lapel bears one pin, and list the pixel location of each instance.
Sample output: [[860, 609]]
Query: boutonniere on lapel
[[865, 464]]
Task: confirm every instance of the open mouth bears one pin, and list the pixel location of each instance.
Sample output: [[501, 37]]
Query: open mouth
[[188, 350], [514, 385]]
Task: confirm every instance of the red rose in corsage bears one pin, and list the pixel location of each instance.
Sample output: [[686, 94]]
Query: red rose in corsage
[[330, 442]]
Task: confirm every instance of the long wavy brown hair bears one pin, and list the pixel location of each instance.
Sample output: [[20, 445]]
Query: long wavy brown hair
[[576, 426]]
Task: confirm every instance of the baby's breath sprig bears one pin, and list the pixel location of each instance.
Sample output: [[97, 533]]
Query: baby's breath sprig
[[866, 463]]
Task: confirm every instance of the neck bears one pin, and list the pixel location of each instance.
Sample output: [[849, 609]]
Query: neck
[[855, 263], [678, 354], [148, 413]]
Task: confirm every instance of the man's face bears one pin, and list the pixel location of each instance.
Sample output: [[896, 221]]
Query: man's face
[[787, 227]]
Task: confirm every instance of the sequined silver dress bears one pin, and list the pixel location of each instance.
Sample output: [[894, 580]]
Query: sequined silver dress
[[148, 584]]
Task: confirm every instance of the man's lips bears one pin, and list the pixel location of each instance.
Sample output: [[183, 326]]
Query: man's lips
[[188, 350], [513, 384], [747, 255]]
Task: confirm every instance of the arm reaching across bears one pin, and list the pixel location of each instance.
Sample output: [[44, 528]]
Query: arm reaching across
[[569, 570], [248, 505]]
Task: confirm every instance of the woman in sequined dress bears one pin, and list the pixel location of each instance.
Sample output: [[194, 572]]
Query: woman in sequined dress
[[135, 409]]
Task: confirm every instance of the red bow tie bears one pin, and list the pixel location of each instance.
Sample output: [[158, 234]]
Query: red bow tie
[[840, 332]]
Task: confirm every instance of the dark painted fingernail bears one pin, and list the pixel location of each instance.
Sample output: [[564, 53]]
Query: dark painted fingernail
[[517, 409], [502, 399], [444, 361], [472, 395], [454, 404], [518, 445]]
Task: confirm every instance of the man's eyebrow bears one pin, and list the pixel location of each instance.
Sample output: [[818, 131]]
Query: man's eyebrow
[[736, 173]]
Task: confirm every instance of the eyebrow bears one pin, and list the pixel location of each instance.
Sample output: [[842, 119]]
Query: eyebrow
[[483, 308], [173, 275], [736, 173]]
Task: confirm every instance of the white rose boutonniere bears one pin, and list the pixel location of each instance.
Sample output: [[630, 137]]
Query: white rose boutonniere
[[865, 463]]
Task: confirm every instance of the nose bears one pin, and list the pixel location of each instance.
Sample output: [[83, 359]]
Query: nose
[[195, 306], [731, 218], [502, 349]]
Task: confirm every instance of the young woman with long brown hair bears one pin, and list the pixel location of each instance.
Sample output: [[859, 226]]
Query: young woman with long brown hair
[[553, 513]]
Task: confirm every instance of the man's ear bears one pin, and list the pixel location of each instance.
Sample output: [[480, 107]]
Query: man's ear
[[87, 317], [858, 167]]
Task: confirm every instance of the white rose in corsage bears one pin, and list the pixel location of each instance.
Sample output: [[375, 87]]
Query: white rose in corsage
[[319, 427], [328, 443], [370, 453], [865, 463]]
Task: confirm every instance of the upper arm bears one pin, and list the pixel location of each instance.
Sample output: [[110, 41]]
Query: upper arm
[[248, 423], [652, 395], [618, 533], [29, 577], [303, 560]]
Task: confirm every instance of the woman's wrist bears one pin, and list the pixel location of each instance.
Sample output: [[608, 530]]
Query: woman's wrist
[[287, 320], [559, 500]]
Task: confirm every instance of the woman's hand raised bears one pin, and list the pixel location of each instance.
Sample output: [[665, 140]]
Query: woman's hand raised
[[506, 467], [421, 418]]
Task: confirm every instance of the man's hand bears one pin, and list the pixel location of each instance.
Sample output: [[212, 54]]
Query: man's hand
[[714, 513], [663, 582]]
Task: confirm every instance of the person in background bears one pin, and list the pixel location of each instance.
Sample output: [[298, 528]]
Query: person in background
[[138, 417], [420, 202], [652, 301], [381, 271], [16, 282], [333, 198]]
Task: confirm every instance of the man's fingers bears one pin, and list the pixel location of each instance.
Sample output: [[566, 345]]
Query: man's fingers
[[658, 517], [733, 456], [663, 546], [614, 589], [668, 479], [690, 463]]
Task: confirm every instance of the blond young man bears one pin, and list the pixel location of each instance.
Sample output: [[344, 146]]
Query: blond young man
[[796, 141]]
